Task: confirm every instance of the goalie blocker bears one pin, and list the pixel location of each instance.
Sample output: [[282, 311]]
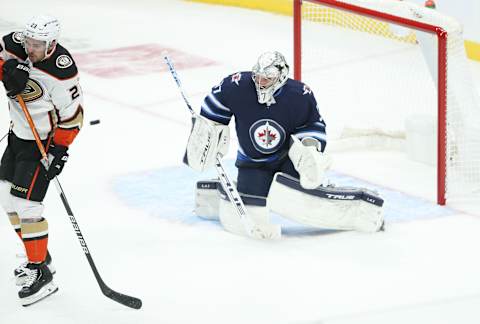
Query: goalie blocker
[[340, 208]]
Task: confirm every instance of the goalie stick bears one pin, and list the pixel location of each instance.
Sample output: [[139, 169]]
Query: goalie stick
[[253, 230], [128, 301]]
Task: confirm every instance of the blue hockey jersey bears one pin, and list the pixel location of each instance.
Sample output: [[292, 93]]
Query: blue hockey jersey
[[264, 132]]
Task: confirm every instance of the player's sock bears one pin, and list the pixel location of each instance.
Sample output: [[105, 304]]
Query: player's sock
[[15, 221], [35, 239]]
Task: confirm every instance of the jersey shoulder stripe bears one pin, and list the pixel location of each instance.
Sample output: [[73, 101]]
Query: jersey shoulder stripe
[[60, 64], [13, 45]]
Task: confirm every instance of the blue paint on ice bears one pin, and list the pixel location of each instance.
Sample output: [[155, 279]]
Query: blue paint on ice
[[168, 193]]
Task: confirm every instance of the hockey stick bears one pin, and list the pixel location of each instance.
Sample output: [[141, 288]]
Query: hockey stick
[[128, 301], [3, 137], [253, 230]]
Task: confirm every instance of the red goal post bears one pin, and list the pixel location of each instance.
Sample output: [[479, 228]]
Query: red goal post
[[357, 8]]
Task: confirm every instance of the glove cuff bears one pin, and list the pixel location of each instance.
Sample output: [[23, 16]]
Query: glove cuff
[[310, 141], [64, 137]]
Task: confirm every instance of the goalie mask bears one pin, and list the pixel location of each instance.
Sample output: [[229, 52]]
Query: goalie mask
[[43, 28], [269, 74]]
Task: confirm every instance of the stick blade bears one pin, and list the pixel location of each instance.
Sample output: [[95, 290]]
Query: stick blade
[[126, 300]]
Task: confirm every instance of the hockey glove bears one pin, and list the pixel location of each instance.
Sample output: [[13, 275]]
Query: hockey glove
[[57, 156], [207, 140], [15, 76], [309, 161]]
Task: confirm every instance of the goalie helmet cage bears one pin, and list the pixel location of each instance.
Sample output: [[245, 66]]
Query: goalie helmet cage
[[457, 108]]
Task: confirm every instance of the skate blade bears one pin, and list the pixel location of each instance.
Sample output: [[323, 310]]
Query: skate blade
[[43, 293]]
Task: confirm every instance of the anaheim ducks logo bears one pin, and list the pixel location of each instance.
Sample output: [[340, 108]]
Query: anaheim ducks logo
[[33, 91], [18, 37], [63, 61]]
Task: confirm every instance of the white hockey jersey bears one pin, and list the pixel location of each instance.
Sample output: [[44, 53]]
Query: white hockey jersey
[[53, 94]]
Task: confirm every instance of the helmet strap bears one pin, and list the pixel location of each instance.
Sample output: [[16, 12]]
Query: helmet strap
[[52, 45]]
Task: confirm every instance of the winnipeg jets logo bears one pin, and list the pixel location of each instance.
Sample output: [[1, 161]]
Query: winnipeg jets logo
[[267, 136], [236, 78], [306, 90]]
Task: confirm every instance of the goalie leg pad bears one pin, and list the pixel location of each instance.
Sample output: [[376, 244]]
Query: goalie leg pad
[[207, 199], [342, 208], [257, 211]]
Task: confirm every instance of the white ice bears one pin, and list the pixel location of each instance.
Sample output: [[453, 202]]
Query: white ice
[[133, 199]]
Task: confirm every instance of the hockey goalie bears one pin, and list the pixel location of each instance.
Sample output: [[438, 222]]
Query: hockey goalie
[[281, 158]]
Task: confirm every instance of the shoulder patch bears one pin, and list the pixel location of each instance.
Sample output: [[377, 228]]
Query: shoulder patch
[[306, 90], [63, 61], [13, 45], [236, 78], [18, 37], [60, 65]]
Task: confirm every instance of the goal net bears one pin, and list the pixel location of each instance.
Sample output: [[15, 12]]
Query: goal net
[[378, 66]]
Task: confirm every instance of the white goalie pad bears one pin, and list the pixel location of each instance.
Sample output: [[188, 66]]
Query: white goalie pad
[[259, 214], [257, 211], [211, 203], [342, 208], [207, 140], [207, 199]]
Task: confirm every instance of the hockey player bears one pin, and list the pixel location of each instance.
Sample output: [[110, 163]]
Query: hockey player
[[281, 134], [34, 65]]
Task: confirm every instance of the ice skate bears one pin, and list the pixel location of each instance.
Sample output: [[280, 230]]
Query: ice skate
[[38, 284], [21, 272]]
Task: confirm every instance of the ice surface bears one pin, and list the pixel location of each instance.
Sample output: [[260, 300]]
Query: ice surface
[[132, 198]]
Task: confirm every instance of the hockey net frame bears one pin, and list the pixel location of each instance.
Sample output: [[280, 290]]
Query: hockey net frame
[[441, 35]]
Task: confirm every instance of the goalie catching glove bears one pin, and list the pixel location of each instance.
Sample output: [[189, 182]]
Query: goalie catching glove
[[207, 140], [309, 161]]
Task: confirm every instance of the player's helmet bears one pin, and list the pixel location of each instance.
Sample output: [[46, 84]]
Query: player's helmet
[[43, 28], [269, 74]]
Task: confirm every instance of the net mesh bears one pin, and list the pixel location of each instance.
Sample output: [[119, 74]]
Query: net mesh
[[372, 76]]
